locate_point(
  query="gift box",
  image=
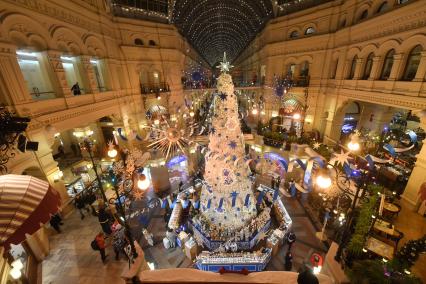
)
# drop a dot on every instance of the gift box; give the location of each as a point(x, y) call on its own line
point(182, 238)
point(191, 249)
point(166, 243)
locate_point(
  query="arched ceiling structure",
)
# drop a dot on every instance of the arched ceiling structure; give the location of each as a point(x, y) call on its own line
point(217, 26)
point(213, 26)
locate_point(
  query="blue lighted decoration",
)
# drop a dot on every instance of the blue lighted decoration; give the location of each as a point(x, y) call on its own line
point(120, 133)
point(185, 204)
point(197, 204)
point(260, 197)
point(276, 157)
point(176, 160)
point(196, 76)
point(275, 195)
point(220, 204)
point(164, 203)
point(370, 162)
point(390, 149)
point(293, 189)
point(347, 169)
point(413, 136)
point(247, 201)
point(234, 197)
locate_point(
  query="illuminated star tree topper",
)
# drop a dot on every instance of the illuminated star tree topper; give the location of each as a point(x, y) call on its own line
point(224, 66)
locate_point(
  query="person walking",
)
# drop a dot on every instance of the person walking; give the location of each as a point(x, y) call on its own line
point(149, 237)
point(278, 182)
point(100, 242)
point(55, 221)
point(61, 151)
point(79, 204)
point(291, 238)
point(75, 89)
point(118, 241)
point(74, 149)
point(104, 220)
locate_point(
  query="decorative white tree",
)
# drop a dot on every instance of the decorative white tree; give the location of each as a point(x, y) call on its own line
point(227, 203)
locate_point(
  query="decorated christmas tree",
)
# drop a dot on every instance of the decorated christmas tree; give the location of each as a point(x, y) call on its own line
point(227, 201)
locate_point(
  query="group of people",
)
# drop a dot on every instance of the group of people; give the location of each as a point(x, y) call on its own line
point(110, 229)
point(275, 182)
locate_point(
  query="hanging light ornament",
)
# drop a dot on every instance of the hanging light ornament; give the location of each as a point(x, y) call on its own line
point(281, 86)
point(170, 136)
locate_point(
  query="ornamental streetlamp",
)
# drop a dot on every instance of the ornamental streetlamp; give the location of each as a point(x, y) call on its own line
point(126, 180)
point(88, 146)
point(354, 145)
point(324, 180)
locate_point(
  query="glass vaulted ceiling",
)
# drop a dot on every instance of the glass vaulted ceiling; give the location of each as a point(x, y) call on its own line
point(216, 26)
point(213, 26)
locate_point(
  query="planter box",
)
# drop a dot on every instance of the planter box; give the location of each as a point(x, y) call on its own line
point(272, 143)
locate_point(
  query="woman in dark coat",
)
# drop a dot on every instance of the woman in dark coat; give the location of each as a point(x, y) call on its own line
point(104, 219)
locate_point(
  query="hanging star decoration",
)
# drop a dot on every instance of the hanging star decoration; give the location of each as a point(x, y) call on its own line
point(223, 96)
point(224, 66)
point(316, 145)
point(232, 144)
point(341, 158)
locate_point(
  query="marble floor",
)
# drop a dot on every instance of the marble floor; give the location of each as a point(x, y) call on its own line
point(72, 260)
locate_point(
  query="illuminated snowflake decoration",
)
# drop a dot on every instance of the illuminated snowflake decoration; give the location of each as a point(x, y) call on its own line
point(170, 137)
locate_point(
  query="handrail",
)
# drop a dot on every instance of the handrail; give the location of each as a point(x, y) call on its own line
point(154, 88)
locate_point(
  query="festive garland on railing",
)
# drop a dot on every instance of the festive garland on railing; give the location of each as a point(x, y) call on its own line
point(410, 252)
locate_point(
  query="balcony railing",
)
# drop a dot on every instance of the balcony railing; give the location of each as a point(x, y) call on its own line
point(155, 88)
point(190, 85)
point(301, 81)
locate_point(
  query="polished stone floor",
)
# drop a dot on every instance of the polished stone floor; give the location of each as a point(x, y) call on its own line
point(73, 261)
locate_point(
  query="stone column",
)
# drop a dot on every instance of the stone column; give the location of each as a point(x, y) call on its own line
point(418, 175)
point(358, 69)
point(12, 82)
point(397, 67)
point(49, 167)
point(88, 75)
point(57, 73)
point(333, 127)
point(421, 70)
point(375, 68)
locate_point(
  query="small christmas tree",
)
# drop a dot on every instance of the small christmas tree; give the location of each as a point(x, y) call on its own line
point(227, 203)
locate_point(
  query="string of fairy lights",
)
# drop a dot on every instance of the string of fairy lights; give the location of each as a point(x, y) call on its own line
point(213, 26)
